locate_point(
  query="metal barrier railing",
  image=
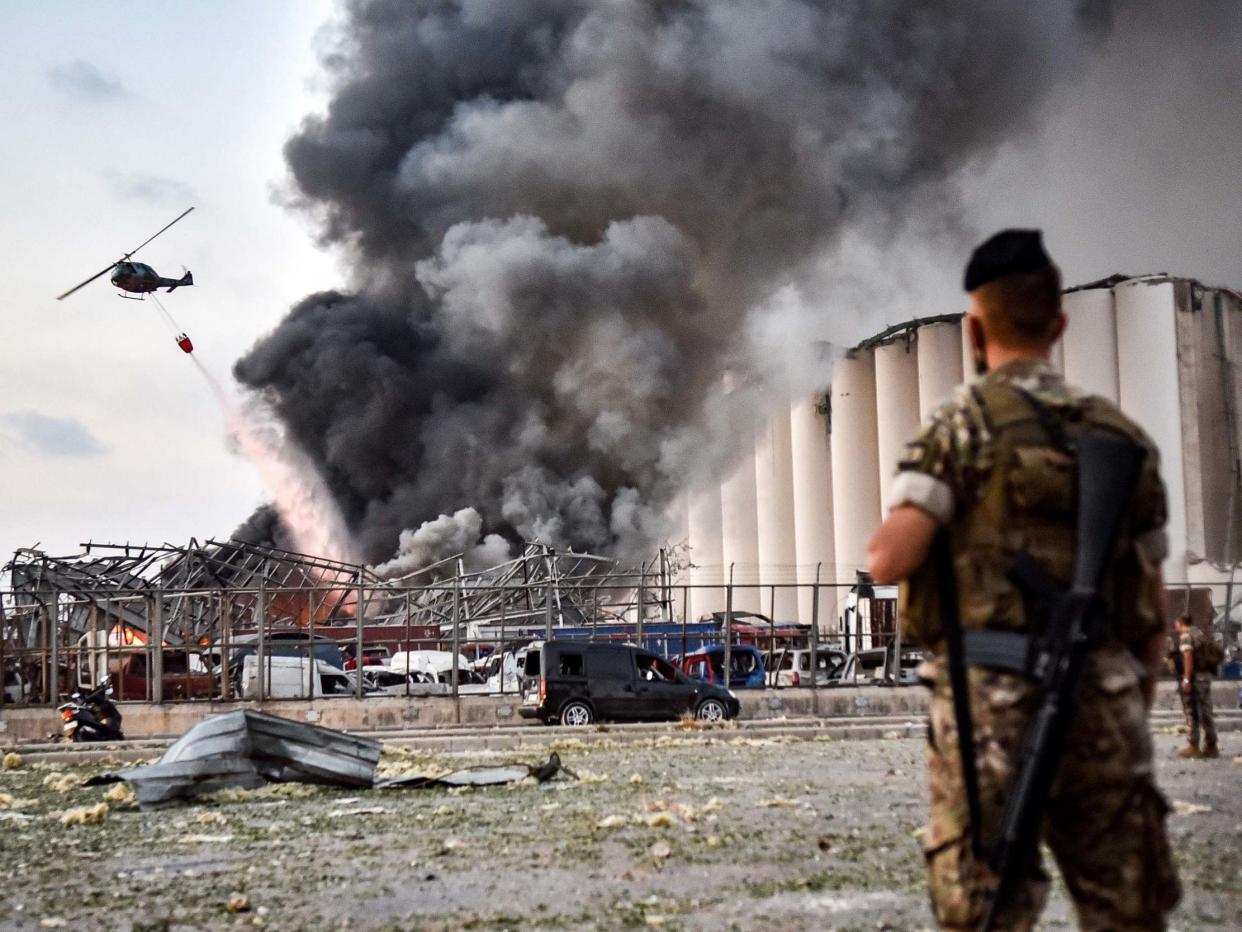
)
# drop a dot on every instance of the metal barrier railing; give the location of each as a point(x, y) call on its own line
point(276, 643)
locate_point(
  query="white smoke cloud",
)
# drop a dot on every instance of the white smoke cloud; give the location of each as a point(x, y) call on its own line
point(444, 537)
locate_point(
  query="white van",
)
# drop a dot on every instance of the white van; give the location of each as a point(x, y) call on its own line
point(287, 678)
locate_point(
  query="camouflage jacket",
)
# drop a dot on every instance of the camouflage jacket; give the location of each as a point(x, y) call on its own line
point(947, 469)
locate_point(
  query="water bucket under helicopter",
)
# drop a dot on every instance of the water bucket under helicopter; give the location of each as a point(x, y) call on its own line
point(184, 342)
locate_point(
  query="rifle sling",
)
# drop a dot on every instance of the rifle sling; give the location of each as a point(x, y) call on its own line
point(1000, 650)
point(942, 554)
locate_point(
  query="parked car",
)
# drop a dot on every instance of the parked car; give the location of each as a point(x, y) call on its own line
point(386, 680)
point(745, 666)
point(793, 667)
point(867, 667)
point(329, 660)
point(580, 682)
point(438, 665)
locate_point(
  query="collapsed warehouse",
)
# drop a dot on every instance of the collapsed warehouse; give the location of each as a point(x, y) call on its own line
point(99, 610)
point(229, 619)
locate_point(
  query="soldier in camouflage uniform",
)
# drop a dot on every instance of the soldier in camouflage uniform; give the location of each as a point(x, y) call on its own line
point(994, 468)
point(1195, 678)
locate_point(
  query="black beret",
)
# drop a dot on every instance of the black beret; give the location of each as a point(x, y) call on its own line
point(1007, 253)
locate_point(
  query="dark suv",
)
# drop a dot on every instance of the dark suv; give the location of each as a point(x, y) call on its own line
point(579, 682)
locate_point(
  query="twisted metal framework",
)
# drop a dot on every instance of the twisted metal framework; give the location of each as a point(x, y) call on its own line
point(195, 589)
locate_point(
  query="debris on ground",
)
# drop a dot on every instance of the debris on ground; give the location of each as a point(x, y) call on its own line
point(483, 776)
point(612, 821)
point(778, 802)
point(660, 850)
point(1185, 808)
point(84, 815)
point(12, 761)
point(238, 903)
point(9, 801)
point(204, 839)
point(245, 750)
point(120, 795)
point(61, 782)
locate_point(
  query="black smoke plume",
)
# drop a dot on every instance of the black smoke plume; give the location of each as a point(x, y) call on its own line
point(564, 221)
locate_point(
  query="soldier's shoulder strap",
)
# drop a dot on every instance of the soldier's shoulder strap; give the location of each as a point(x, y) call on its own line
point(1008, 407)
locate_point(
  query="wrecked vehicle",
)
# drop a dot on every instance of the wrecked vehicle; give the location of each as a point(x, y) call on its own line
point(793, 667)
point(438, 665)
point(122, 655)
point(390, 682)
point(875, 665)
point(746, 670)
point(580, 682)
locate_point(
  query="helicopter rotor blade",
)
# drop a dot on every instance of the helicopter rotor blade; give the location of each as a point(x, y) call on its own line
point(88, 281)
point(136, 248)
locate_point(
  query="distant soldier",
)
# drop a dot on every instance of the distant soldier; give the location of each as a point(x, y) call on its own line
point(1197, 659)
point(995, 470)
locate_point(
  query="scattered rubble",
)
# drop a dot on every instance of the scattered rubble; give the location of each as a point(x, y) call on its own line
point(84, 815)
point(245, 750)
point(61, 782)
point(12, 761)
point(121, 795)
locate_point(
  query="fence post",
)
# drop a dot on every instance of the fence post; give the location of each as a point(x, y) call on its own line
point(896, 649)
point(642, 599)
point(685, 613)
point(53, 634)
point(359, 621)
point(226, 628)
point(815, 643)
point(407, 641)
point(775, 678)
point(311, 666)
point(456, 645)
point(260, 645)
point(547, 613)
point(728, 651)
point(155, 624)
point(503, 641)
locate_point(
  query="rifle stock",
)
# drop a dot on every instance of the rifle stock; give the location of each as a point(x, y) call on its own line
point(1107, 471)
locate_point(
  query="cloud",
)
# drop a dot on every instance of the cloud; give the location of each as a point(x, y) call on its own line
point(155, 189)
point(50, 436)
point(83, 81)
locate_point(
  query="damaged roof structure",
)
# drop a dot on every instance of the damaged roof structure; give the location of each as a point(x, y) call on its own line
point(193, 593)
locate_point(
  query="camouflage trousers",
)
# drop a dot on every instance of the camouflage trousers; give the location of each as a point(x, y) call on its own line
point(1104, 821)
point(1197, 705)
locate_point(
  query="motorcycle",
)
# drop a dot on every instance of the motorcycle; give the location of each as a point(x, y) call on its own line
point(92, 717)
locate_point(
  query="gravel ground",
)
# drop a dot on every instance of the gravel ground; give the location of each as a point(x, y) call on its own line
point(686, 831)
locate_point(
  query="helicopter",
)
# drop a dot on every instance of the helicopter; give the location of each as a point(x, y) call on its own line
point(136, 277)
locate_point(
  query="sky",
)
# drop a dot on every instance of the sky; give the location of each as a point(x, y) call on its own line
point(117, 118)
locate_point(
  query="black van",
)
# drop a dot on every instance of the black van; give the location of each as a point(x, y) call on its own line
point(579, 682)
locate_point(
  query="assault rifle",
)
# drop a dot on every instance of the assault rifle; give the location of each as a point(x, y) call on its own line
point(1108, 467)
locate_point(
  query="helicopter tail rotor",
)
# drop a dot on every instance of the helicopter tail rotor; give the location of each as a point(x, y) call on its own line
point(186, 279)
